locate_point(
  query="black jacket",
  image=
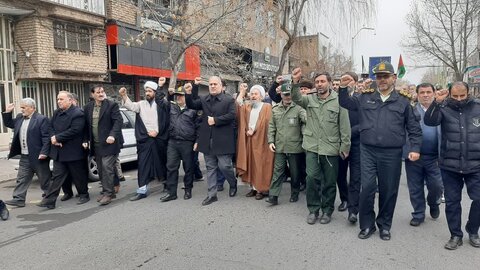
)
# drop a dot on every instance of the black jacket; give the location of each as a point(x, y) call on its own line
point(384, 124)
point(218, 139)
point(67, 126)
point(183, 123)
point(109, 124)
point(460, 147)
point(38, 135)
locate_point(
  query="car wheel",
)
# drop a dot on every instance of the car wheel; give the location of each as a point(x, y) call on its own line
point(92, 170)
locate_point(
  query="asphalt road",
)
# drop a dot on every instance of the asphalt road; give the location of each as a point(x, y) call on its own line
point(233, 233)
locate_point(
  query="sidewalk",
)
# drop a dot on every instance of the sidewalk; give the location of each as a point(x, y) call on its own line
point(7, 167)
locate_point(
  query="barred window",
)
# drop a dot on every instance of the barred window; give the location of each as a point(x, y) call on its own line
point(72, 37)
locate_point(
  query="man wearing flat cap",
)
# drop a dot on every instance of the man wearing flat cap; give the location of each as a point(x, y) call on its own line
point(151, 132)
point(386, 117)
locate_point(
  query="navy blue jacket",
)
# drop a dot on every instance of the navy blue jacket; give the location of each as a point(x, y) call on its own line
point(384, 124)
point(460, 148)
point(67, 126)
point(183, 123)
point(38, 135)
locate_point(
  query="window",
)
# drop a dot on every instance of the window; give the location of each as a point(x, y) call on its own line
point(72, 37)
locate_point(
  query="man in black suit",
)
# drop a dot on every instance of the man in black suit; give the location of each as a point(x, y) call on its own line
point(104, 133)
point(31, 141)
point(66, 150)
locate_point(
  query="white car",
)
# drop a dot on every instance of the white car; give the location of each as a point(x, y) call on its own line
point(129, 151)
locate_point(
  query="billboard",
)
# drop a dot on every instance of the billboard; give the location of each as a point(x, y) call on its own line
point(376, 60)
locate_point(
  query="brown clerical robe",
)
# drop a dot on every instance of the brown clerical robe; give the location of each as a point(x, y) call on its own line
point(254, 158)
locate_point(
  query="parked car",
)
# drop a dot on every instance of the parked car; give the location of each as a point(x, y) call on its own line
point(129, 151)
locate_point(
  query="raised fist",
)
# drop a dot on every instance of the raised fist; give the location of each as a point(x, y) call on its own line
point(347, 81)
point(10, 107)
point(440, 95)
point(161, 81)
point(243, 88)
point(197, 80)
point(296, 75)
point(188, 88)
point(122, 91)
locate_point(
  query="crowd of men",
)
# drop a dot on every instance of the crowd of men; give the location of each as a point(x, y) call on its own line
point(313, 135)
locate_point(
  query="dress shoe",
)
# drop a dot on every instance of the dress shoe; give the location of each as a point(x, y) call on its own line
point(415, 222)
point(352, 218)
point(260, 196)
point(105, 200)
point(137, 197)
point(385, 235)
point(454, 243)
point(342, 207)
point(233, 191)
point(294, 198)
point(273, 200)
point(4, 211)
point(99, 198)
point(121, 179)
point(209, 200)
point(83, 200)
point(312, 218)
point(116, 189)
point(220, 188)
point(366, 233)
point(16, 203)
point(325, 219)
point(474, 240)
point(168, 197)
point(434, 211)
point(251, 193)
point(47, 205)
point(302, 187)
point(187, 195)
point(66, 197)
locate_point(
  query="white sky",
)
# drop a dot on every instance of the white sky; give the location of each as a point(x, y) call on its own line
point(390, 28)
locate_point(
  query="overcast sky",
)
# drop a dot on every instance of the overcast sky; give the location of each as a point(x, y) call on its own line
point(390, 28)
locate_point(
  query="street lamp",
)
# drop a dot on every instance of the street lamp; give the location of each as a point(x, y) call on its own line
point(353, 39)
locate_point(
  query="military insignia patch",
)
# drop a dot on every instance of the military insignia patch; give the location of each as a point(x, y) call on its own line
point(476, 121)
point(370, 90)
point(405, 94)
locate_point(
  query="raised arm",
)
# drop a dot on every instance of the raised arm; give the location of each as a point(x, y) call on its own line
point(296, 95)
point(127, 103)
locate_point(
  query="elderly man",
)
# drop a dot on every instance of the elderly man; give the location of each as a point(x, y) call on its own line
point(326, 138)
point(254, 159)
point(31, 140)
point(66, 150)
point(459, 116)
point(216, 139)
point(151, 131)
point(104, 129)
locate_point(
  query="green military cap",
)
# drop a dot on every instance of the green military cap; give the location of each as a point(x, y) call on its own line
point(179, 91)
point(383, 67)
point(286, 89)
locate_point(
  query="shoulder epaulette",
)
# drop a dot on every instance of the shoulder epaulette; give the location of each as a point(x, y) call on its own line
point(366, 91)
point(405, 94)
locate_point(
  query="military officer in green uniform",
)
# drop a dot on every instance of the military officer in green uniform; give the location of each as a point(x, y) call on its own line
point(325, 138)
point(285, 140)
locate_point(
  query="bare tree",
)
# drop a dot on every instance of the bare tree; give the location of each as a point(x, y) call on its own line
point(445, 31)
point(296, 14)
point(194, 22)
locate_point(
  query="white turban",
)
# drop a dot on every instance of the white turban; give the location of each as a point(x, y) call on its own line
point(150, 84)
point(260, 89)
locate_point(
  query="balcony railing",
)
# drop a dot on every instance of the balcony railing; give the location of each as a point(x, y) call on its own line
point(94, 6)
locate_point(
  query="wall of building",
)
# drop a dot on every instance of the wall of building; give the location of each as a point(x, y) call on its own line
point(122, 10)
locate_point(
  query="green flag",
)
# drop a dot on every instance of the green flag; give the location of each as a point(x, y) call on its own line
point(401, 68)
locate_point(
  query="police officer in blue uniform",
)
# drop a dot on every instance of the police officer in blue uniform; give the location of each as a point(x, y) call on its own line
point(385, 117)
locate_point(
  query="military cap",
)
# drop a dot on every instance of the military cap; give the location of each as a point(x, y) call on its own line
point(179, 91)
point(383, 68)
point(286, 89)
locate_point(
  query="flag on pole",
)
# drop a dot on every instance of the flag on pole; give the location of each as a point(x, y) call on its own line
point(401, 68)
point(363, 65)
